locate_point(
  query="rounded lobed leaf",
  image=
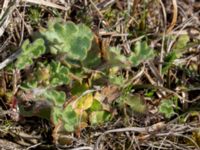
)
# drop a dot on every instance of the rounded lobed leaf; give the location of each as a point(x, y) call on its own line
point(23, 62)
point(58, 74)
point(56, 115)
point(75, 40)
point(57, 97)
point(115, 57)
point(166, 107)
point(79, 48)
point(70, 118)
point(29, 52)
point(142, 52)
point(70, 28)
point(84, 31)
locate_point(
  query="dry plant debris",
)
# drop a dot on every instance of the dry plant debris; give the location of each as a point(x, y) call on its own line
point(100, 74)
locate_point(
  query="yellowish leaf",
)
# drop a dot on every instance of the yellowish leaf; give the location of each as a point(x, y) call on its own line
point(84, 102)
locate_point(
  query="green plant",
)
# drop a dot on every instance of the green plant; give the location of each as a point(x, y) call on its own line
point(115, 58)
point(59, 74)
point(168, 107)
point(29, 52)
point(75, 40)
point(50, 74)
point(69, 39)
point(98, 117)
point(71, 61)
point(134, 102)
point(150, 93)
point(70, 118)
point(177, 51)
point(58, 98)
point(181, 45)
point(34, 15)
point(168, 61)
point(142, 52)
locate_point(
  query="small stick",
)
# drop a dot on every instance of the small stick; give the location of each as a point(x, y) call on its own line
point(148, 129)
point(10, 59)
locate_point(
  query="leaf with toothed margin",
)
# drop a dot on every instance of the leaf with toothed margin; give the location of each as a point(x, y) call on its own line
point(142, 52)
point(57, 97)
point(58, 73)
point(75, 40)
point(70, 118)
point(29, 52)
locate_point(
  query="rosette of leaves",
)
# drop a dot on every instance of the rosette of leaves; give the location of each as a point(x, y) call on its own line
point(29, 52)
point(142, 52)
point(75, 40)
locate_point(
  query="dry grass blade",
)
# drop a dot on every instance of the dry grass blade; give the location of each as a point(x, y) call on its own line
point(46, 3)
point(105, 4)
point(5, 13)
point(155, 72)
point(175, 15)
point(163, 36)
point(83, 148)
point(5, 5)
point(96, 8)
